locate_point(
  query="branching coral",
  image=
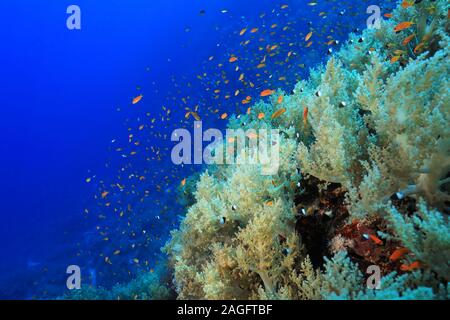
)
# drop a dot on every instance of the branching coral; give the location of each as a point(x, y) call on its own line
point(343, 281)
point(427, 235)
point(228, 205)
point(337, 127)
point(260, 249)
point(411, 154)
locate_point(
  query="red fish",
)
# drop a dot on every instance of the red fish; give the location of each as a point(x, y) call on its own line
point(376, 239)
point(411, 267)
point(398, 253)
point(305, 115)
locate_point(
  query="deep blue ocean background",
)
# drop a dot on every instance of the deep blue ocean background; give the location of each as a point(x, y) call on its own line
point(66, 109)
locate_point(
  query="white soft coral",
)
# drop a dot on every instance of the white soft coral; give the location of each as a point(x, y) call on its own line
point(432, 177)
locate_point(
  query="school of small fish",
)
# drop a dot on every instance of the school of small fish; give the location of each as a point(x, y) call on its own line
point(273, 49)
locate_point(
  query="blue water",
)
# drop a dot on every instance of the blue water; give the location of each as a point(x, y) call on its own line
point(66, 95)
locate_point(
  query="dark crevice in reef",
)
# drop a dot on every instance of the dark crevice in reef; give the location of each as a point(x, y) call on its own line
point(312, 232)
point(407, 205)
point(322, 215)
point(318, 213)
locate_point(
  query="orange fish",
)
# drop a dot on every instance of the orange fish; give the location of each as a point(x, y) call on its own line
point(104, 194)
point(137, 99)
point(224, 116)
point(183, 182)
point(394, 59)
point(408, 39)
point(243, 31)
point(280, 99)
point(403, 25)
point(406, 4)
point(376, 239)
point(278, 113)
point(266, 93)
point(388, 15)
point(419, 47)
point(305, 115)
point(308, 36)
point(261, 65)
point(398, 253)
point(233, 59)
point(411, 267)
point(309, 44)
point(261, 115)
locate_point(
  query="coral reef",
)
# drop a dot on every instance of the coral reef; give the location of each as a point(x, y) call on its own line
point(363, 180)
point(146, 286)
